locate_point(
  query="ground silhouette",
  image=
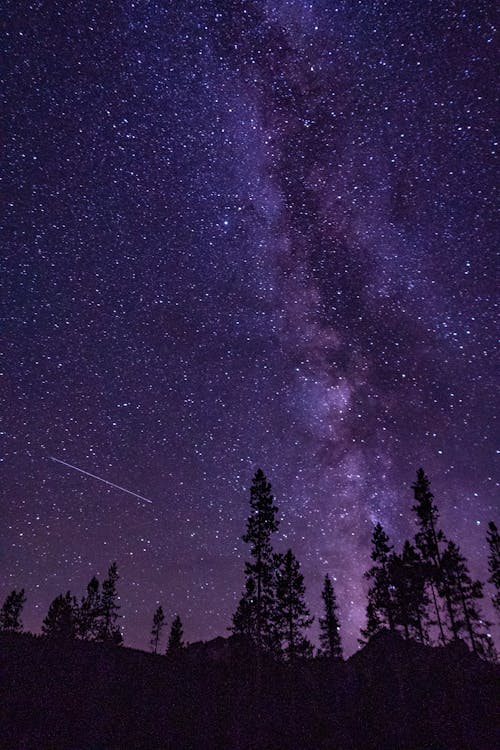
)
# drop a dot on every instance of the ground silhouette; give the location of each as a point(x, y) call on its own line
point(394, 694)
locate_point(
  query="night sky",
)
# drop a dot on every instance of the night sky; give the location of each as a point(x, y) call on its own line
point(242, 234)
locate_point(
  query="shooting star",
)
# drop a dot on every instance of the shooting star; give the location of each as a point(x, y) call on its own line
point(111, 484)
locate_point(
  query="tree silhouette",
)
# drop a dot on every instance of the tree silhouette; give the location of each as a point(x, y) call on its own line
point(156, 630)
point(10, 614)
point(89, 613)
point(258, 597)
point(175, 643)
point(62, 618)
point(381, 606)
point(329, 625)
point(291, 613)
point(109, 609)
point(493, 539)
point(464, 594)
point(428, 540)
point(408, 577)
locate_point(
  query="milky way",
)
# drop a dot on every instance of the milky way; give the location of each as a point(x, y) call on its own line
point(242, 234)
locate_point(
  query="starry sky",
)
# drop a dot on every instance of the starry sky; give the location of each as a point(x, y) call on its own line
point(240, 234)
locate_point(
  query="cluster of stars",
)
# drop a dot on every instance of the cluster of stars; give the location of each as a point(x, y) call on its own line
point(239, 235)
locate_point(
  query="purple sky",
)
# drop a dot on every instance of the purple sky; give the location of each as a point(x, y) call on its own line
point(242, 234)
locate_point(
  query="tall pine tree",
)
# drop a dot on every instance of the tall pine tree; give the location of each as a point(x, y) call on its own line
point(428, 541)
point(254, 616)
point(175, 643)
point(329, 625)
point(493, 540)
point(109, 609)
point(10, 614)
point(89, 613)
point(156, 630)
point(381, 606)
point(291, 612)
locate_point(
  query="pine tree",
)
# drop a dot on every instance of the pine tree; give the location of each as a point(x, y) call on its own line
point(428, 540)
point(329, 637)
point(464, 594)
point(255, 609)
point(381, 606)
point(175, 643)
point(493, 539)
point(408, 576)
point(156, 630)
point(291, 613)
point(10, 614)
point(62, 618)
point(109, 610)
point(89, 613)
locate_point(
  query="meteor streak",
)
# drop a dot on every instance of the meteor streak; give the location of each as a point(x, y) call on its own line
point(111, 484)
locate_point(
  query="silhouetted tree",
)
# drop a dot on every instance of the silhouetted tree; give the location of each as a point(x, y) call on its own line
point(381, 606)
point(428, 540)
point(156, 630)
point(329, 625)
point(291, 612)
point(109, 609)
point(62, 618)
point(175, 643)
point(89, 613)
point(493, 539)
point(407, 575)
point(10, 614)
point(259, 595)
point(464, 594)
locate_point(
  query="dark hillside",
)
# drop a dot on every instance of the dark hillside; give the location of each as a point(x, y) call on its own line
point(392, 695)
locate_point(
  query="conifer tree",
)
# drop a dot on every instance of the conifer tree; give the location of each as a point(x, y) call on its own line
point(89, 613)
point(10, 614)
point(291, 613)
point(329, 637)
point(381, 606)
point(156, 630)
point(255, 609)
point(464, 595)
point(109, 609)
point(175, 643)
point(493, 539)
point(428, 541)
point(62, 618)
point(408, 577)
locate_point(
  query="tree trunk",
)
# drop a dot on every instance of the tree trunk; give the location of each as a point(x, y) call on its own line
point(446, 592)
point(440, 624)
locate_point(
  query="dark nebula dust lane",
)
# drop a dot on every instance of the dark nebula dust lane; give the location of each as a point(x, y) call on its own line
point(242, 234)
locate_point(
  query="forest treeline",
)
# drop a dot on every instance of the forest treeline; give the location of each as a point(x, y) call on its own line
point(424, 592)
